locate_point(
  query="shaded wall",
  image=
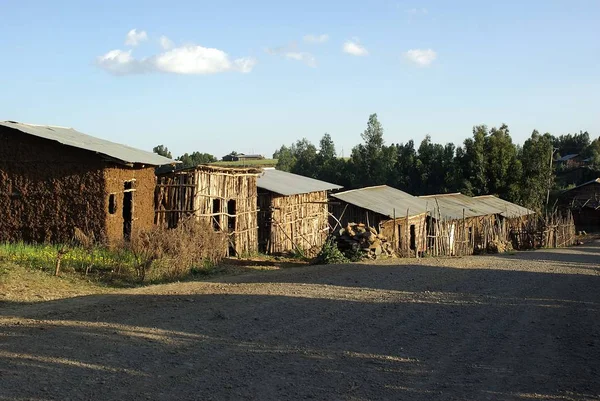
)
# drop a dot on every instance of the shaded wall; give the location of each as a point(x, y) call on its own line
point(584, 203)
point(48, 189)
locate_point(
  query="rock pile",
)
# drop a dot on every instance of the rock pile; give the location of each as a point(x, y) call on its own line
point(357, 238)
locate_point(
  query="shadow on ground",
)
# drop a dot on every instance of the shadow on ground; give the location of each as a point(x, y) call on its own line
point(354, 332)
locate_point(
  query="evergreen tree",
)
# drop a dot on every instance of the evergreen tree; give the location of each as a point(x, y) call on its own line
point(162, 150)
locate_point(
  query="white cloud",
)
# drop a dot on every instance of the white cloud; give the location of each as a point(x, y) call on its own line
point(306, 58)
point(354, 48)
point(199, 60)
point(316, 38)
point(421, 57)
point(186, 60)
point(290, 52)
point(134, 37)
point(119, 62)
point(416, 11)
point(165, 43)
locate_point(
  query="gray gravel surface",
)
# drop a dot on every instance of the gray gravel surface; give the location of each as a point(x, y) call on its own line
point(513, 327)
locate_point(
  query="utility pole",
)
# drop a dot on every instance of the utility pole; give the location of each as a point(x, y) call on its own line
point(550, 178)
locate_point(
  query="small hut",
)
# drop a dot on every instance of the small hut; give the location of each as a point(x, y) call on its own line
point(293, 212)
point(399, 216)
point(55, 179)
point(584, 203)
point(462, 225)
point(226, 198)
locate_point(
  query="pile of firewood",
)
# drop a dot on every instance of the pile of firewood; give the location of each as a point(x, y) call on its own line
point(358, 238)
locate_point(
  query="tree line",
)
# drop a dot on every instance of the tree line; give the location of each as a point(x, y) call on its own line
point(187, 160)
point(488, 162)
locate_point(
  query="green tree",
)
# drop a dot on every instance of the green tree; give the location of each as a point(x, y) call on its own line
point(162, 150)
point(372, 161)
point(306, 158)
point(195, 159)
point(285, 158)
point(571, 143)
point(537, 178)
point(472, 164)
point(405, 175)
point(329, 167)
point(502, 166)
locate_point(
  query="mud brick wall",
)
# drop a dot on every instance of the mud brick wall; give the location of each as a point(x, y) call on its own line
point(47, 189)
point(144, 183)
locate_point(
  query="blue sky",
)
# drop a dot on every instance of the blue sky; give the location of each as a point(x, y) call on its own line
point(250, 76)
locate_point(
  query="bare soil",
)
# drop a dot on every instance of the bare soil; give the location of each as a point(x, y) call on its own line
point(512, 327)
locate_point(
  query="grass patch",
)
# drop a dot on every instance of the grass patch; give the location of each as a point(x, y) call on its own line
point(20, 284)
point(42, 257)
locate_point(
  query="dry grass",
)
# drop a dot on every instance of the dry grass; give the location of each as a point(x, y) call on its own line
point(163, 254)
point(21, 284)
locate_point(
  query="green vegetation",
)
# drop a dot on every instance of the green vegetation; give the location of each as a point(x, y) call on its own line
point(43, 257)
point(488, 162)
point(330, 254)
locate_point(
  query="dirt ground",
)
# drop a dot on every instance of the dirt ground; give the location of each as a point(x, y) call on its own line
point(512, 327)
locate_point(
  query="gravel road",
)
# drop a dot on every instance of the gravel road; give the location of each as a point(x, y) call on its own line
point(513, 327)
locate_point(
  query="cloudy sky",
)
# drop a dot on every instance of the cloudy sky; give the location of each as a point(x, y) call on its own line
point(252, 75)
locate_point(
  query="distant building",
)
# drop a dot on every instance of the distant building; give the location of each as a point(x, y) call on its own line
point(571, 161)
point(584, 202)
point(241, 157)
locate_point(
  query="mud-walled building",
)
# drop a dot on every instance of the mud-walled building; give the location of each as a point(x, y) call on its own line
point(56, 179)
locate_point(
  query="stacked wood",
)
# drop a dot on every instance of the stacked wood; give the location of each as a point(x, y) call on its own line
point(364, 239)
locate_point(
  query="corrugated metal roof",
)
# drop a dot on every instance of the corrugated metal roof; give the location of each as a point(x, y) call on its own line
point(385, 200)
point(284, 183)
point(71, 137)
point(508, 209)
point(596, 181)
point(567, 157)
point(451, 206)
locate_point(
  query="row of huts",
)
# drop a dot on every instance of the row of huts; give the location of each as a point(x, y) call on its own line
point(53, 179)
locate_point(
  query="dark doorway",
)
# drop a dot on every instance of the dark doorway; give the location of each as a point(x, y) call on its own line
point(216, 218)
point(231, 206)
point(127, 209)
point(413, 239)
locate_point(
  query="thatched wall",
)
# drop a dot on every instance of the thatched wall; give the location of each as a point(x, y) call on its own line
point(461, 237)
point(293, 223)
point(407, 238)
point(226, 198)
point(48, 189)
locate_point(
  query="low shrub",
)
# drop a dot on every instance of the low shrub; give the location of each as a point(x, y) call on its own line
point(168, 254)
point(330, 253)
